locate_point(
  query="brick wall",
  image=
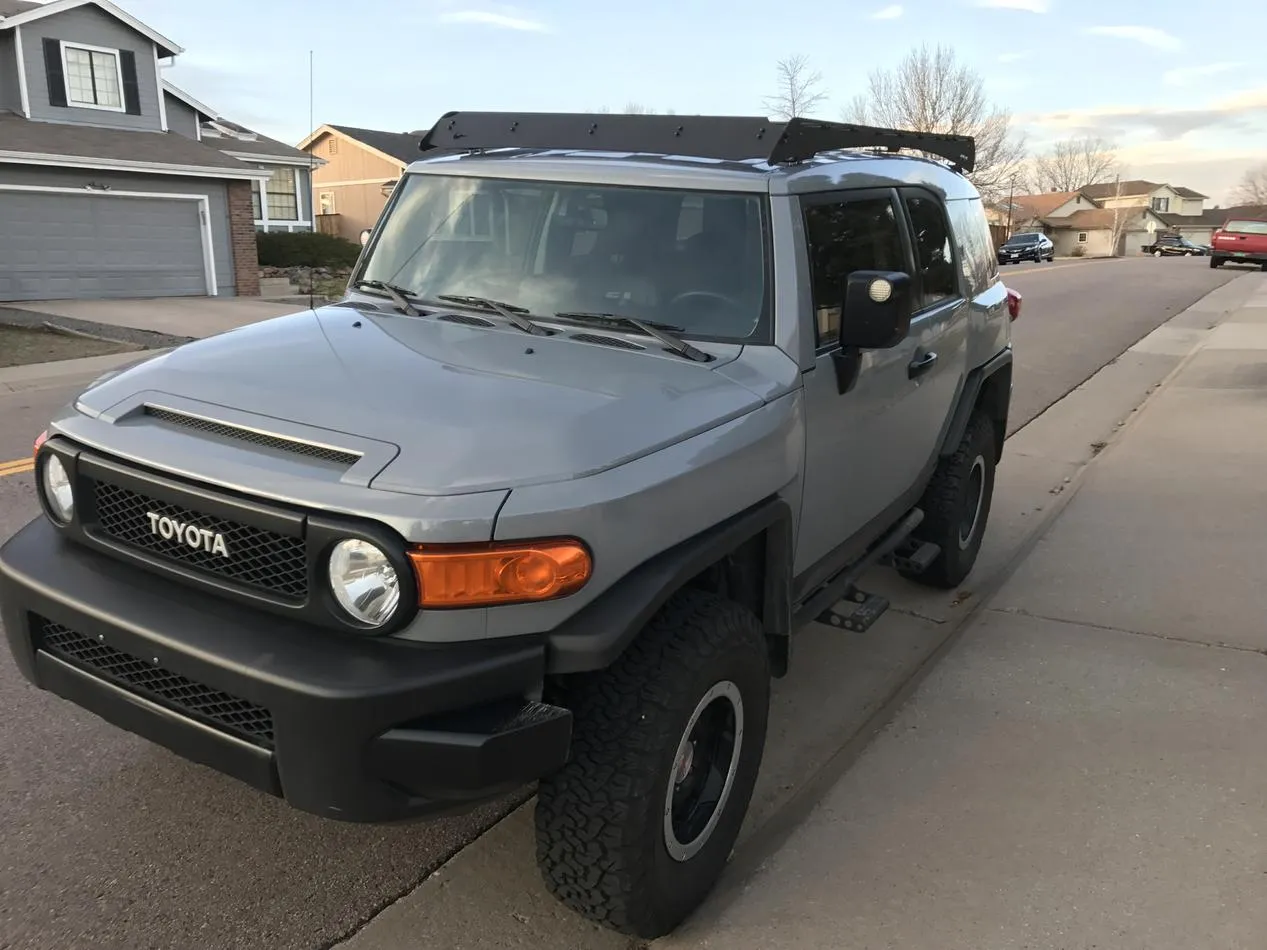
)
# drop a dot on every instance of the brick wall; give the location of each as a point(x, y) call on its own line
point(246, 261)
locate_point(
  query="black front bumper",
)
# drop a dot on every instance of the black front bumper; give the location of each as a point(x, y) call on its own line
point(343, 726)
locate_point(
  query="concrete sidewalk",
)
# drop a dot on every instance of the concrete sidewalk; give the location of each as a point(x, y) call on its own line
point(1085, 768)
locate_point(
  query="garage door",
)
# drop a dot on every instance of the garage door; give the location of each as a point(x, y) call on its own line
point(59, 246)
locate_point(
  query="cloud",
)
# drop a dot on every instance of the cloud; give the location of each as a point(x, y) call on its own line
point(1236, 113)
point(1148, 35)
point(499, 20)
point(1186, 74)
point(891, 12)
point(1029, 6)
point(1015, 57)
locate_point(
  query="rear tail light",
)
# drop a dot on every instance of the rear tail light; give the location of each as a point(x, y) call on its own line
point(1013, 303)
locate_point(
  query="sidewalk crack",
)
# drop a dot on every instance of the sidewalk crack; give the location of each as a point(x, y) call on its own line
point(1191, 641)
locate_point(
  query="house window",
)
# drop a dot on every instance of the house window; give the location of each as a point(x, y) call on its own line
point(1082, 237)
point(94, 78)
point(327, 202)
point(276, 202)
point(1161, 204)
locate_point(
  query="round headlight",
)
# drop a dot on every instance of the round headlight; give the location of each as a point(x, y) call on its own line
point(364, 581)
point(57, 489)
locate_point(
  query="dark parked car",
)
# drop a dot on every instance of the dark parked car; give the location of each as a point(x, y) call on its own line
point(1030, 246)
point(1174, 245)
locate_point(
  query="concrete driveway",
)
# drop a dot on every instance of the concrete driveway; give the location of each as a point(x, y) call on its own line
point(177, 316)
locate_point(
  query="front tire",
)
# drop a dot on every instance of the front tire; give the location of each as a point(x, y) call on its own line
point(956, 506)
point(634, 831)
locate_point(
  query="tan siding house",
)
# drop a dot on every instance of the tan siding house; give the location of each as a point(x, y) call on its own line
point(361, 168)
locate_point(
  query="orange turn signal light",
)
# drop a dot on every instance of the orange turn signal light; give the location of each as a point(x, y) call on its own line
point(40, 440)
point(487, 575)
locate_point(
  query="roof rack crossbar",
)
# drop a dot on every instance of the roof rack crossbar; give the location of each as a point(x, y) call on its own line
point(725, 138)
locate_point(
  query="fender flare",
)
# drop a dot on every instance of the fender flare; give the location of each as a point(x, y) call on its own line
point(596, 635)
point(999, 363)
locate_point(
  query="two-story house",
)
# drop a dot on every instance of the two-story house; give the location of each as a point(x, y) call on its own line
point(115, 183)
point(359, 169)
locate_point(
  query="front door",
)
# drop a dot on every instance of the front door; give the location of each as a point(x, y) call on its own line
point(868, 450)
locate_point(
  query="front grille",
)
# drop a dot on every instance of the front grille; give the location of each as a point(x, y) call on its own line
point(179, 693)
point(293, 446)
point(259, 559)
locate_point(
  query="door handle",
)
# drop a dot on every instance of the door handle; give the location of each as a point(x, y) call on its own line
point(919, 367)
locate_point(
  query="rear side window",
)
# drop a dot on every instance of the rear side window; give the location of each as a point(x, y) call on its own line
point(843, 237)
point(977, 259)
point(934, 255)
point(1246, 227)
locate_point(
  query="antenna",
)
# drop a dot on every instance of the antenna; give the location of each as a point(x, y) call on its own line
point(312, 211)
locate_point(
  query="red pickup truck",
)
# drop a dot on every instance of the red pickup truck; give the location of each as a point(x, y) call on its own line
point(1240, 240)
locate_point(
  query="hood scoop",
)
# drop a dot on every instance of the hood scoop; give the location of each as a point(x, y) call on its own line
point(313, 450)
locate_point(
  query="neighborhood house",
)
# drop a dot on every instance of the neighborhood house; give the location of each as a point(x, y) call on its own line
point(114, 182)
point(359, 169)
point(1118, 217)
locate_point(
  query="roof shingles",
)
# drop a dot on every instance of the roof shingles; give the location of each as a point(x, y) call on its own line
point(399, 145)
point(103, 146)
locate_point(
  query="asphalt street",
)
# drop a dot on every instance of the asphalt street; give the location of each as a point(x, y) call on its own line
point(108, 841)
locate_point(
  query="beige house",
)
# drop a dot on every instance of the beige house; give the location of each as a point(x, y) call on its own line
point(1162, 198)
point(361, 168)
point(1029, 211)
point(1118, 217)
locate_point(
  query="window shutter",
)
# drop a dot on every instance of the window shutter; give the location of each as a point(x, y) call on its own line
point(131, 91)
point(53, 70)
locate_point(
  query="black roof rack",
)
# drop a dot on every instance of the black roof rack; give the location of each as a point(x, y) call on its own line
point(734, 138)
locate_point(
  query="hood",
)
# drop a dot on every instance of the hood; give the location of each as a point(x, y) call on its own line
point(468, 408)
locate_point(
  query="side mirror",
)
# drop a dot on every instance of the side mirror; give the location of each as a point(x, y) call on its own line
point(877, 310)
point(365, 237)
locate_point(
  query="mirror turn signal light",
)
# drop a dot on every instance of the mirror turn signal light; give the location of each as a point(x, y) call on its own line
point(39, 442)
point(488, 575)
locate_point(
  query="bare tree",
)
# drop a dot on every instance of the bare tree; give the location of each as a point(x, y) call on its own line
point(1253, 187)
point(930, 92)
point(634, 108)
point(1074, 163)
point(798, 89)
point(1122, 218)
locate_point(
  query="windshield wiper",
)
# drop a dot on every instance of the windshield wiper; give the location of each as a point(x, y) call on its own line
point(400, 296)
point(660, 331)
point(511, 312)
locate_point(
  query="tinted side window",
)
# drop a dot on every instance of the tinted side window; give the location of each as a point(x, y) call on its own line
point(843, 237)
point(933, 253)
point(977, 258)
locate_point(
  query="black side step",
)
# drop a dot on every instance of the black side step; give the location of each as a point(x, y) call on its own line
point(913, 557)
point(867, 609)
point(845, 584)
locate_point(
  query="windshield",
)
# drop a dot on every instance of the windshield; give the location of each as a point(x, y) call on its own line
point(692, 260)
point(1246, 227)
point(1022, 239)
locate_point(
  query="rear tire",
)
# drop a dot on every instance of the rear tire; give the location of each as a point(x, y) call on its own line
point(618, 838)
point(956, 506)
point(1216, 262)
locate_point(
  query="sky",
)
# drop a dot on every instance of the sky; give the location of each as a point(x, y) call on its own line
point(1179, 86)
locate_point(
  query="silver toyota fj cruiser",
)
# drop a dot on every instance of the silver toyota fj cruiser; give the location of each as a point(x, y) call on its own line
point(613, 406)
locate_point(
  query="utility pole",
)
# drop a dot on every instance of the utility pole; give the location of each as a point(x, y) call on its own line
point(1117, 213)
point(1011, 191)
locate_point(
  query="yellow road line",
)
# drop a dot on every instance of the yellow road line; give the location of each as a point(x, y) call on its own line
point(16, 467)
point(1046, 270)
